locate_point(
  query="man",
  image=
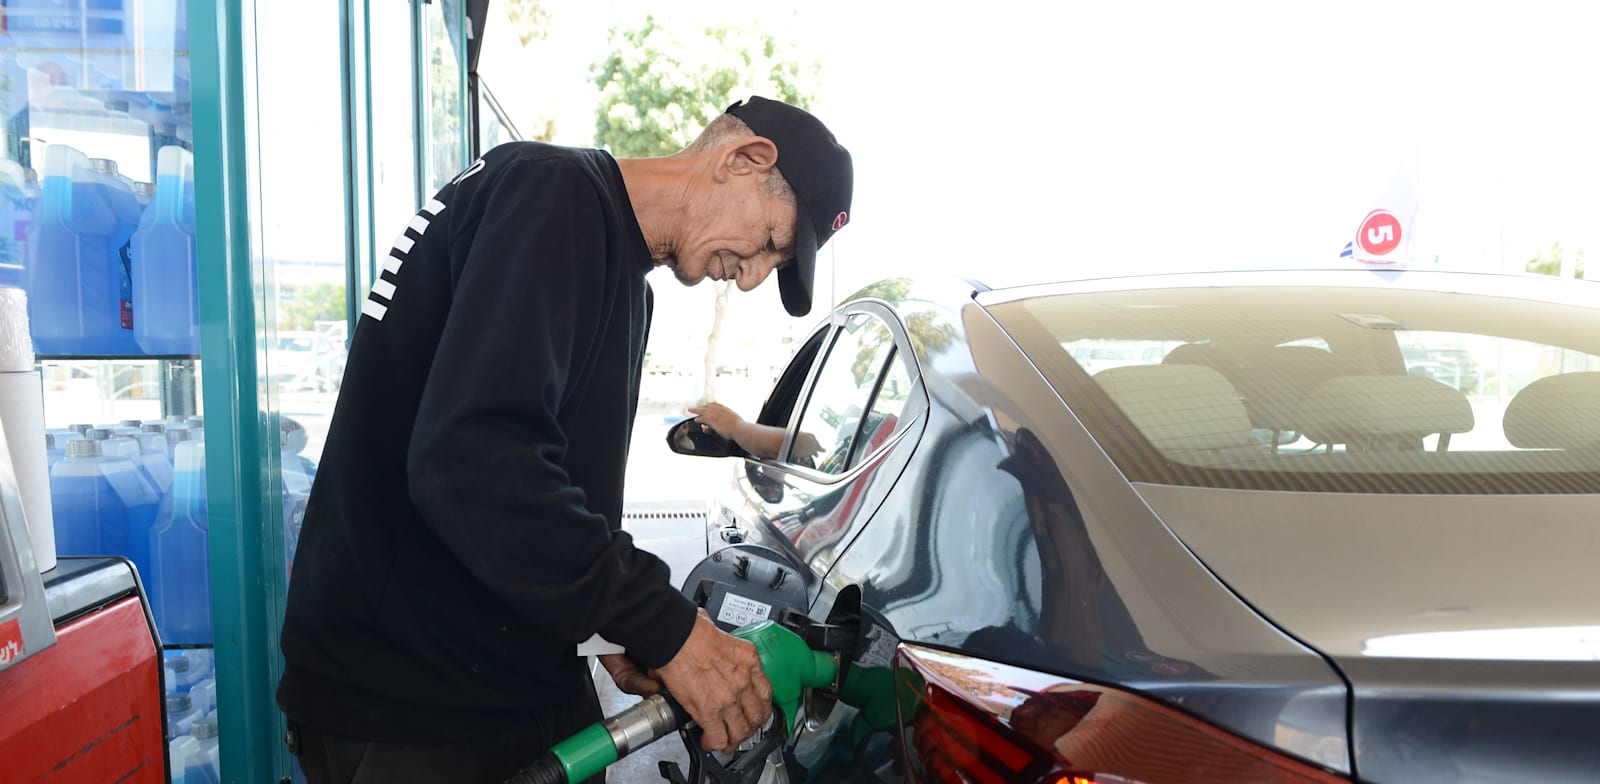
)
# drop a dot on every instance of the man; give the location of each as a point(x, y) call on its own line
point(463, 535)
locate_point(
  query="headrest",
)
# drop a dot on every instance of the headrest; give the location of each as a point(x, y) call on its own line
point(1347, 407)
point(1555, 412)
point(1275, 381)
point(1202, 354)
point(1178, 407)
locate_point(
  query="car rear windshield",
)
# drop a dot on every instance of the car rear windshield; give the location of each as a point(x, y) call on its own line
point(1332, 389)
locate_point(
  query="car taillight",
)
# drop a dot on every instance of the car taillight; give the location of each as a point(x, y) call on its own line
point(971, 721)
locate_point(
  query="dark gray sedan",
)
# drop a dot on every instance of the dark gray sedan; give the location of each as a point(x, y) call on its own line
point(1253, 549)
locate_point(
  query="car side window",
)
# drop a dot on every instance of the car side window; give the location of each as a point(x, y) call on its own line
point(890, 410)
point(786, 392)
point(833, 414)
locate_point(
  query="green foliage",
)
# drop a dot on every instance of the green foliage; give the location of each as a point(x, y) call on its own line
point(888, 290)
point(317, 302)
point(1549, 261)
point(927, 332)
point(529, 18)
point(659, 86)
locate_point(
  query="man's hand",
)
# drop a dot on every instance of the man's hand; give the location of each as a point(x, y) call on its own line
point(717, 678)
point(805, 447)
point(629, 677)
point(718, 417)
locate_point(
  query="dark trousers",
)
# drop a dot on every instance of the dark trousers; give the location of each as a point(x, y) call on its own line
point(488, 759)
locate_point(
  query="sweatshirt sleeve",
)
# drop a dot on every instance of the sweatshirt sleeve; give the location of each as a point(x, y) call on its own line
point(485, 459)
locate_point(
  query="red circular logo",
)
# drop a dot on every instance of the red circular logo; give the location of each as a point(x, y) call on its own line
point(839, 221)
point(1380, 233)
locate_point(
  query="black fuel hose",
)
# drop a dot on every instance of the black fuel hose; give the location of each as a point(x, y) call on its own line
point(546, 770)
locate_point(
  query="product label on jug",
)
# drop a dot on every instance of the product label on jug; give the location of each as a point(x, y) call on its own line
point(126, 286)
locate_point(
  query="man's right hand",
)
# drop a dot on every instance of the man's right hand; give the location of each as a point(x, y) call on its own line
point(721, 419)
point(717, 679)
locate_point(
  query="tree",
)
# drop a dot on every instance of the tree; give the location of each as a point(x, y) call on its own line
point(317, 302)
point(1550, 261)
point(529, 18)
point(660, 85)
point(927, 330)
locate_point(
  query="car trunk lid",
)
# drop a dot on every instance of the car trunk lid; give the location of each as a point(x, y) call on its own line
point(1468, 626)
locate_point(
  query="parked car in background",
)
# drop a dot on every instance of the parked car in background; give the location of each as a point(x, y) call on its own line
point(303, 359)
point(1453, 366)
point(1271, 554)
point(1096, 355)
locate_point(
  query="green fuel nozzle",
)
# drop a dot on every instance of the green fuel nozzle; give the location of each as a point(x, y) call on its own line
point(789, 664)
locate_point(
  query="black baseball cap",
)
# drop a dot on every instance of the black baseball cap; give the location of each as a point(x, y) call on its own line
point(819, 171)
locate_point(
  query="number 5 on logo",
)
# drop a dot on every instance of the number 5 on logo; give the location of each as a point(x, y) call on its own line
point(1379, 234)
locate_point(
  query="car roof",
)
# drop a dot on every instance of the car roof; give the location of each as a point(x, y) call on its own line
point(1542, 287)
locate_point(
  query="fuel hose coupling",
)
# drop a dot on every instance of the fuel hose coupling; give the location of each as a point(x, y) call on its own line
point(632, 729)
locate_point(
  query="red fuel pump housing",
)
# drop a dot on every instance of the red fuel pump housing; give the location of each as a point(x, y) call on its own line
point(89, 708)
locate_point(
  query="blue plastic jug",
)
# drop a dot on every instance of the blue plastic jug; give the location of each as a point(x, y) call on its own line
point(181, 714)
point(79, 290)
point(178, 751)
point(99, 501)
point(55, 445)
point(78, 491)
point(185, 671)
point(203, 764)
point(165, 275)
point(180, 594)
point(157, 463)
point(176, 434)
point(201, 768)
point(127, 533)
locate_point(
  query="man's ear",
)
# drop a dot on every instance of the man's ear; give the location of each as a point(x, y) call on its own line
point(748, 155)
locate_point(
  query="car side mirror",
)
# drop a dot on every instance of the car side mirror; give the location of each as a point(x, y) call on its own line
point(693, 437)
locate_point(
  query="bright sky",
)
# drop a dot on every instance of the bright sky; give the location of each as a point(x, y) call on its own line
point(1072, 139)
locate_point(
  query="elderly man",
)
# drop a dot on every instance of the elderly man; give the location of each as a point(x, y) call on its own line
point(463, 535)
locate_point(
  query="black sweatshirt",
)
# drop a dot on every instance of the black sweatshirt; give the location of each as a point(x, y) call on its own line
point(463, 531)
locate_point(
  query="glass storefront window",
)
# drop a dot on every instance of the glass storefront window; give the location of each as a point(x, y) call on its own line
point(494, 128)
point(446, 150)
point(302, 244)
point(393, 122)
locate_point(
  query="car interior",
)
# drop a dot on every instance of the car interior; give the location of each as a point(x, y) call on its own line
point(1248, 382)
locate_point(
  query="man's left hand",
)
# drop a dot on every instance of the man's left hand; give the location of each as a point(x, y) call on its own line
point(629, 677)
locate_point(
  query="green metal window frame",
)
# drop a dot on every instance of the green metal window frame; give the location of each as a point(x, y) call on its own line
point(247, 578)
point(361, 258)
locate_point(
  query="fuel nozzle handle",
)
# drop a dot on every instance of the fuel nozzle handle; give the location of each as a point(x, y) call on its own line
point(789, 665)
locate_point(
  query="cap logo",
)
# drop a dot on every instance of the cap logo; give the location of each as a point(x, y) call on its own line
point(839, 221)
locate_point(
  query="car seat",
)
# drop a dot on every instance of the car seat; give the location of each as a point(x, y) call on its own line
point(1274, 382)
point(1555, 412)
point(1189, 412)
point(1383, 412)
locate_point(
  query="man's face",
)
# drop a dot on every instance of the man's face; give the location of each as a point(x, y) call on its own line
point(740, 234)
